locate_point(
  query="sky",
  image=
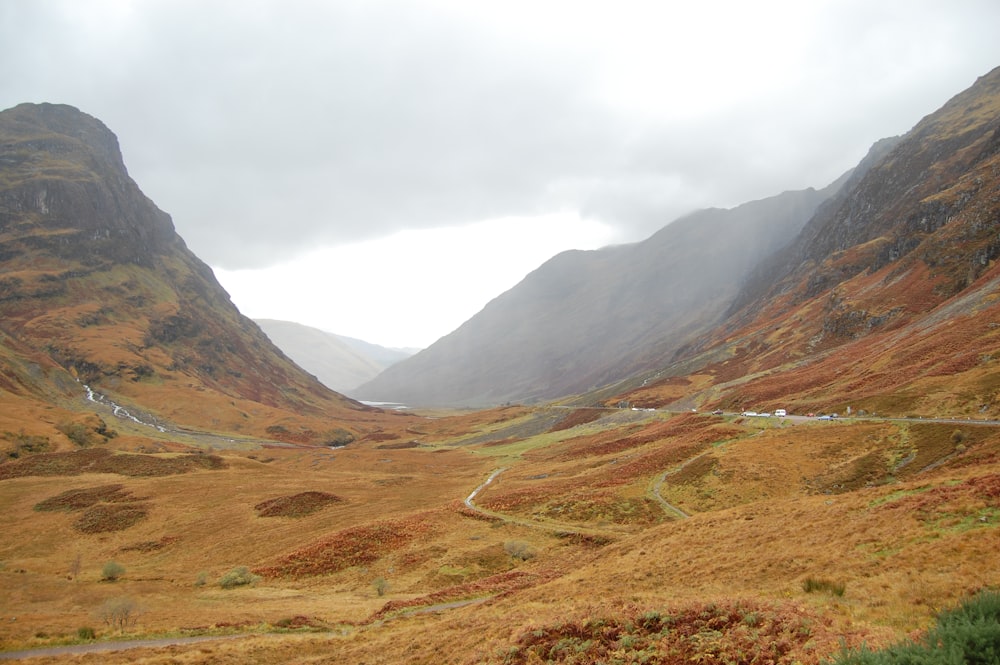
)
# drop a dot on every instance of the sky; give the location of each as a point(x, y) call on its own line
point(382, 169)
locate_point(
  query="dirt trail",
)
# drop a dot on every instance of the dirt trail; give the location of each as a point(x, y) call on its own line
point(655, 490)
point(100, 647)
point(546, 526)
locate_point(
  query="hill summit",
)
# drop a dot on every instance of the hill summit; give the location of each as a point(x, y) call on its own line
point(97, 288)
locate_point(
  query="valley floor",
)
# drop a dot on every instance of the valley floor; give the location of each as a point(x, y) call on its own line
point(510, 536)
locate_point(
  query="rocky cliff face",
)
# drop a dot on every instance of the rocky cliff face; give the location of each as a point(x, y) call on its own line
point(94, 279)
point(63, 173)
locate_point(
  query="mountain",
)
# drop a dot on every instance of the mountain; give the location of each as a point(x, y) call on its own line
point(98, 290)
point(519, 534)
point(340, 363)
point(587, 318)
point(886, 301)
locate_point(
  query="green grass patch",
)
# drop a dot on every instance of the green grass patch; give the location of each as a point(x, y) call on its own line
point(986, 517)
point(897, 495)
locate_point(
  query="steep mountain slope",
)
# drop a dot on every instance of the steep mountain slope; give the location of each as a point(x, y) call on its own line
point(340, 363)
point(96, 288)
point(549, 534)
point(584, 319)
point(887, 301)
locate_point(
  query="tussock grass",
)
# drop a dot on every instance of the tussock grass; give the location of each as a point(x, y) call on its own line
point(822, 585)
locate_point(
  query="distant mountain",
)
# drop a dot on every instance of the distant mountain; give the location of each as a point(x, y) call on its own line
point(97, 288)
point(340, 363)
point(886, 302)
point(587, 318)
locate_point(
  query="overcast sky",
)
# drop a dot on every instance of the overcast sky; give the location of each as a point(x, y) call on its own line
point(383, 169)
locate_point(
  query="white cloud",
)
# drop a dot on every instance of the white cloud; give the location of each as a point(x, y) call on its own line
point(410, 288)
point(270, 129)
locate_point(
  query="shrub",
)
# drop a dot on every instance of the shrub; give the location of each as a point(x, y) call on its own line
point(381, 585)
point(239, 576)
point(86, 633)
point(75, 432)
point(339, 437)
point(112, 571)
point(519, 549)
point(25, 444)
point(969, 633)
point(202, 579)
point(120, 613)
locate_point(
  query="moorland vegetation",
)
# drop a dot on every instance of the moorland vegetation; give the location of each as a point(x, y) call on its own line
point(168, 473)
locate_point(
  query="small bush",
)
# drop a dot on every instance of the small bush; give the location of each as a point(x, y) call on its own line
point(120, 613)
point(25, 444)
point(967, 634)
point(813, 585)
point(86, 633)
point(518, 549)
point(239, 576)
point(381, 585)
point(202, 579)
point(78, 433)
point(339, 437)
point(112, 571)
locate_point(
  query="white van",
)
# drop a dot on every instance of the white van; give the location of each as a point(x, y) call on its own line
point(780, 413)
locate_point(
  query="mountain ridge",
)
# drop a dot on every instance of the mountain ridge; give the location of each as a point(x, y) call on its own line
point(97, 286)
point(584, 319)
point(340, 363)
point(864, 324)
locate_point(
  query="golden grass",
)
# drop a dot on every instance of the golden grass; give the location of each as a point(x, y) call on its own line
point(770, 509)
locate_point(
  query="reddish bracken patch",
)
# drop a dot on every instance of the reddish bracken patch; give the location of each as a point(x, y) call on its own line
point(111, 517)
point(107, 508)
point(501, 584)
point(357, 546)
point(101, 460)
point(736, 632)
point(578, 417)
point(78, 499)
point(296, 505)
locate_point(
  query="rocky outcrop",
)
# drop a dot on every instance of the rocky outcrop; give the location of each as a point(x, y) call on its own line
point(63, 173)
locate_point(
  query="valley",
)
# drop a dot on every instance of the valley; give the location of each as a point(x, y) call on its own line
point(168, 473)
